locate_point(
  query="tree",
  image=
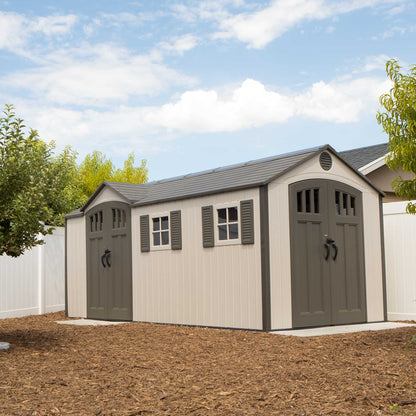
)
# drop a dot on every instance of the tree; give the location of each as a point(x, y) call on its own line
point(96, 168)
point(399, 122)
point(62, 195)
point(23, 185)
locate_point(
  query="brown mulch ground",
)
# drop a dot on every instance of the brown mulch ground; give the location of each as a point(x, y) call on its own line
point(149, 369)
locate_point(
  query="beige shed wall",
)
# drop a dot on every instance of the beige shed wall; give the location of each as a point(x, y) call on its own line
point(383, 178)
point(280, 269)
point(76, 267)
point(219, 286)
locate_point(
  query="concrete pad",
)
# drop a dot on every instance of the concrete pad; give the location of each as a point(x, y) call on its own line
point(92, 322)
point(342, 329)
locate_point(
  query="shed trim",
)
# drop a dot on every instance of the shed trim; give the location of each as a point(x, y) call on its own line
point(98, 190)
point(66, 267)
point(383, 259)
point(265, 257)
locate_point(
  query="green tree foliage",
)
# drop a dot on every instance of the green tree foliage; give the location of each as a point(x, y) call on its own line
point(37, 188)
point(62, 195)
point(96, 168)
point(24, 171)
point(399, 122)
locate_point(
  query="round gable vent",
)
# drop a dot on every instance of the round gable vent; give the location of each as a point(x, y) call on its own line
point(325, 160)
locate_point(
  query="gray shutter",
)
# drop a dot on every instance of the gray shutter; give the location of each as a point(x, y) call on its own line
point(208, 226)
point(175, 230)
point(247, 222)
point(144, 233)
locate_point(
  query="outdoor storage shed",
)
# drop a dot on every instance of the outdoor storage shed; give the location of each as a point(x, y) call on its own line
point(285, 242)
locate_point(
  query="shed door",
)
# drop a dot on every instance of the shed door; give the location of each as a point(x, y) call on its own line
point(327, 254)
point(109, 275)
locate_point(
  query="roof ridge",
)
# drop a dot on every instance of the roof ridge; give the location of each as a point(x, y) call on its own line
point(238, 165)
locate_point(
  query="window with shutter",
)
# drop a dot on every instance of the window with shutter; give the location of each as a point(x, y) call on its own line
point(247, 222)
point(144, 234)
point(207, 226)
point(176, 230)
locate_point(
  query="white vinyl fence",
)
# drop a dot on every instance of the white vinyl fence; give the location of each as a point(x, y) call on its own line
point(34, 283)
point(400, 250)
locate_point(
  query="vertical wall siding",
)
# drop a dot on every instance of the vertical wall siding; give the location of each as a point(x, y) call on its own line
point(219, 286)
point(280, 270)
point(76, 267)
point(33, 283)
point(400, 243)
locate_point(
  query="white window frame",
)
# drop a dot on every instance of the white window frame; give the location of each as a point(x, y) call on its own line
point(228, 242)
point(161, 247)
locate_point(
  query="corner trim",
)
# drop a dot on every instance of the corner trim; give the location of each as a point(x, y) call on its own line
point(265, 257)
point(383, 258)
point(66, 268)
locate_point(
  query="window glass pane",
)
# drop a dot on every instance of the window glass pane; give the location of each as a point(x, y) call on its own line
point(299, 201)
point(233, 229)
point(165, 237)
point(165, 223)
point(337, 204)
point(91, 223)
point(352, 205)
point(118, 218)
point(222, 215)
point(156, 239)
point(308, 200)
point(156, 224)
point(344, 204)
point(232, 214)
point(114, 217)
point(101, 220)
point(123, 218)
point(316, 200)
point(222, 232)
point(96, 222)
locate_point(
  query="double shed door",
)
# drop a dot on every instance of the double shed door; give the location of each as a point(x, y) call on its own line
point(109, 262)
point(327, 254)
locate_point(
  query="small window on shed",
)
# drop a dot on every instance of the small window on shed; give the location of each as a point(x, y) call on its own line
point(119, 218)
point(96, 222)
point(160, 231)
point(227, 224)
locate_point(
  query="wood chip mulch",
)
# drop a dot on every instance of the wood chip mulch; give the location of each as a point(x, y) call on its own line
point(148, 369)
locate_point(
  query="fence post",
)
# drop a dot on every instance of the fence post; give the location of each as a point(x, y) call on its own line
point(41, 278)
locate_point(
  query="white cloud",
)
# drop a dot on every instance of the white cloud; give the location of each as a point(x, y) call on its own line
point(261, 27)
point(377, 62)
point(16, 29)
point(341, 102)
point(250, 105)
point(94, 76)
point(180, 44)
point(53, 25)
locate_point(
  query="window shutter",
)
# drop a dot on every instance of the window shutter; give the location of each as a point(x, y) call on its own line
point(208, 226)
point(144, 234)
point(175, 230)
point(247, 222)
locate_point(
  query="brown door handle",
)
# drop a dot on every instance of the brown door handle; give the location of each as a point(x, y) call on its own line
point(107, 255)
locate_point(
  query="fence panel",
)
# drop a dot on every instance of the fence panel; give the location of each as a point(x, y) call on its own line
point(34, 283)
point(400, 251)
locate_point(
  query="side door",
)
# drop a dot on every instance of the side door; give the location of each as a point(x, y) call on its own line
point(311, 293)
point(109, 261)
point(97, 279)
point(347, 254)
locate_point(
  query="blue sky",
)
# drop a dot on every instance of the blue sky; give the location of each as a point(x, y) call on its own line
point(192, 85)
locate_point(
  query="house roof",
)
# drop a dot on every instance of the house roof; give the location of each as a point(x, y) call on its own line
point(362, 156)
point(223, 179)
